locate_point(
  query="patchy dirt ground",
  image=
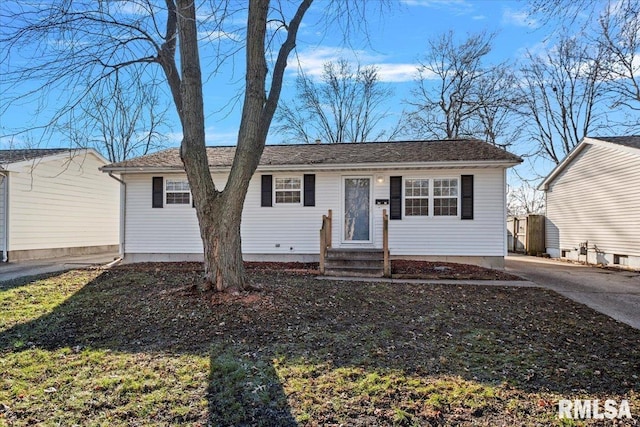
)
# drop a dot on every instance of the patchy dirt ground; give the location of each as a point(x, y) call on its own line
point(311, 352)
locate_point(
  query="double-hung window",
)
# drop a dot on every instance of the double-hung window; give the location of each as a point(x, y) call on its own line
point(445, 197)
point(288, 190)
point(430, 196)
point(177, 192)
point(416, 197)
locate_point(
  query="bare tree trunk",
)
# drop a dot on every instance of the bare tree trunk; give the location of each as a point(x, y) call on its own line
point(220, 212)
point(224, 269)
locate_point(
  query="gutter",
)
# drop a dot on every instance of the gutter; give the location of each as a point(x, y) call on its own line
point(5, 217)
point(123, 211)
point(327, 167)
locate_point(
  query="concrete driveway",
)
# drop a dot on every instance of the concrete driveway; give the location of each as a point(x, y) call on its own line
point(614, 293)
point(16, 270)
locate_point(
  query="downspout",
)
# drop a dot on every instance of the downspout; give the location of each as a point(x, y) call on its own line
point(123, 211)
point(5, 217)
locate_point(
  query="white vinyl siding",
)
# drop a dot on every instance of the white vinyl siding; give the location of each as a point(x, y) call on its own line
point(2, 213)
point(294, 229)
point(485, 235)
point(596, 199)
point(62, 201)
point(172, 229)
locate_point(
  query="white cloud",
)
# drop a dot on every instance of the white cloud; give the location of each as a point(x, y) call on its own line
point(457, 6)
point(212, 137)
point(312, 63)
point(518, 18)
point(397, 73)
point(218, 36)
point(131, 8)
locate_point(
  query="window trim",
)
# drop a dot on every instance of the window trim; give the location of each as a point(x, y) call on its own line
point(300, 190)
point(431, 199)
point(404, 196)
point(166, 193)
point(457, 197)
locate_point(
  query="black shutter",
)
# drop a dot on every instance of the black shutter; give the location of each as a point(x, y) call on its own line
point(267, 189)
point(466, 211)
point(395, 197)
point(309, 190)
point(158, 192)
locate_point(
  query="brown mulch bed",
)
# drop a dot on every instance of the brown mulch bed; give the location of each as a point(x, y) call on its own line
point(400, 269)
point(406, 269)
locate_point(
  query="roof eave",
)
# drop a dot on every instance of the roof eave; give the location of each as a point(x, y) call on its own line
point(544, 185)
point(327, 167)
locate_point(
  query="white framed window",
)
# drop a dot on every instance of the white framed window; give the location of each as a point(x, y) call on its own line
point(288, 190)
point(177, 192)
point(445, 197)
point(416, 197)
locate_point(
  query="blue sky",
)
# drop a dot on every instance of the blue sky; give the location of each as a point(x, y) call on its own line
point(396, 41)
point(395, 44)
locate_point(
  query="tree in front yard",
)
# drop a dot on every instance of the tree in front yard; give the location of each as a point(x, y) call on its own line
point(70, 43)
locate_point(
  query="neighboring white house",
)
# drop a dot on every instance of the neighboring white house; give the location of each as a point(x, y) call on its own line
point(445, 199)
point(593, 203)
point(56, 202)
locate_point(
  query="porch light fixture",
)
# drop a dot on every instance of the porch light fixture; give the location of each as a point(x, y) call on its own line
point(380, 179)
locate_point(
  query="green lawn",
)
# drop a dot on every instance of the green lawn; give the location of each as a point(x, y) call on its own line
point(136, 345)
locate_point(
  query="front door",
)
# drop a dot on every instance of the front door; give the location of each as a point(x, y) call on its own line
point(357, 209)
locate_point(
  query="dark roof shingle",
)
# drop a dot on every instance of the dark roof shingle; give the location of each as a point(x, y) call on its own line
point(13, 156)
point(632, 141)
point(338, 154)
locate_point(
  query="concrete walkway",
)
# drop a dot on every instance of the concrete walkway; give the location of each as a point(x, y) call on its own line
point(611, 292)
point(16, 270)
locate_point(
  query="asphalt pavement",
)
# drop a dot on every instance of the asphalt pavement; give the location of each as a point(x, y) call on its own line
point(615, 293)
point(15, 270)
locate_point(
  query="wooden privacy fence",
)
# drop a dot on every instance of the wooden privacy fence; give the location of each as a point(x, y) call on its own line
point(527, 234)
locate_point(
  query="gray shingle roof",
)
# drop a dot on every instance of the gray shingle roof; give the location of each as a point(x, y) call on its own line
point(632, 141)
point(13, 156)
point(338, 154)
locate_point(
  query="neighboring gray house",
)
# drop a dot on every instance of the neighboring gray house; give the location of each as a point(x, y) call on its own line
point(55, 202)
point(593, 203)
point(445, 200)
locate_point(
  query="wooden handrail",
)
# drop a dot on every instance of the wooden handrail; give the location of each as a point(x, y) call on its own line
point(385, 244)
point(325, 238)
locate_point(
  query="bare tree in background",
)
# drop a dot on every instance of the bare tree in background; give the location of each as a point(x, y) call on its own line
point(613, 25)
point(71, 43)
point(344, 106)
point(457, 95)
point(561, 90)
point(525, 199)
point(120, 117)
point(619, 39)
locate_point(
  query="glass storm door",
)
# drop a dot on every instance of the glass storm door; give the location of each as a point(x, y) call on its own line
point(357, 207)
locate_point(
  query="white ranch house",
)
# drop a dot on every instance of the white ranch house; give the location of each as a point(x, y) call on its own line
point(593, 203)
point(445, 201)
point(56, 202)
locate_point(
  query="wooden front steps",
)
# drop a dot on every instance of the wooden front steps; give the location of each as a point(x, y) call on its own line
point(354, 262)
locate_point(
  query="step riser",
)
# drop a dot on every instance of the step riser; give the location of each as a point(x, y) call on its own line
point(354, 263)
point(335, 263)
point(352, 273)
